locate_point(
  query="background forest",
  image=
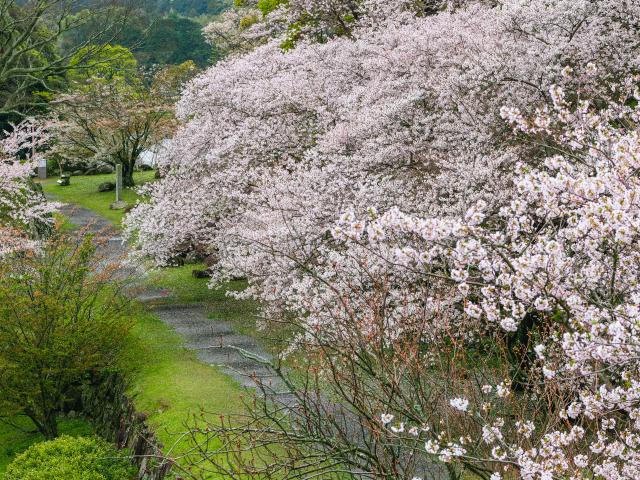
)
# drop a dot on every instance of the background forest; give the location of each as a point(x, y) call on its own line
point(159, 31)
point(45, 36)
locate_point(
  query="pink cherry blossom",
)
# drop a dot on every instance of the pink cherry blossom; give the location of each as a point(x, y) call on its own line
point(23, 210)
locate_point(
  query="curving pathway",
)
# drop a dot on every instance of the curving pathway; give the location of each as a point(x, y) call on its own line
point(215, 342)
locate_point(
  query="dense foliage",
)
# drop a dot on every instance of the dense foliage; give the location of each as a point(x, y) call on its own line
point(444, 202)
point(63, 318)
point(156, 36)
point(191, 8)
point(31, 66)
point(82, 458)
point(173, 40)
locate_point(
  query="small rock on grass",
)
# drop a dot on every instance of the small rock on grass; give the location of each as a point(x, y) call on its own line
point(106, 187)
point(201, 273)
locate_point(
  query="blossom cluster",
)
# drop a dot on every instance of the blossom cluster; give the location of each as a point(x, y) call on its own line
point(23, 210)
point(476, 167)
point(277, 146)
point(563, 250)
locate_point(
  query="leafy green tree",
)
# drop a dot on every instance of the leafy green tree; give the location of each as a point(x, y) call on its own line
point(60, 321)
point(113, 65)
point(268, 6)
point(30, 65)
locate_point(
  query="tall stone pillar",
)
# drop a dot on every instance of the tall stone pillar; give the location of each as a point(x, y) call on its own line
point(118, 182)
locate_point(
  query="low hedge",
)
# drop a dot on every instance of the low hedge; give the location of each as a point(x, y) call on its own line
point(71, 458)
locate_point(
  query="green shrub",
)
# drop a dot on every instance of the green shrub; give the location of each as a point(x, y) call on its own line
point(71, 458)
point(268, 6)
point(61, 322)
point(247, 21)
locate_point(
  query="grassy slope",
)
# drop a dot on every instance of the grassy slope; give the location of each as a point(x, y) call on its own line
point(160, 387)
point(168, 383)
point(84, 191)
point(14, 441)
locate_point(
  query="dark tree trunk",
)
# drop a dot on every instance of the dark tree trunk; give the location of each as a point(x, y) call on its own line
point(50, 427)
point(47, 426)
point(127, 174)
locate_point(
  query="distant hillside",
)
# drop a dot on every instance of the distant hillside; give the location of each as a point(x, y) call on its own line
point(159, 32)
point(192, 8)
point(187, 8)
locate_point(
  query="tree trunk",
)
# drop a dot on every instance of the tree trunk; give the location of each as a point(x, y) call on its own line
point(50, 427)
point(47, 426)
point(127, 174)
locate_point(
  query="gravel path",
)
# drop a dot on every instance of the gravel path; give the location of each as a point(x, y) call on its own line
point(215, 342)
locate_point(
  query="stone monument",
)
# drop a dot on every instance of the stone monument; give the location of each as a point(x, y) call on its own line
point(119, 204)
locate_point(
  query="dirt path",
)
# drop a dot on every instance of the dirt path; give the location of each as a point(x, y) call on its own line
point(215, 342)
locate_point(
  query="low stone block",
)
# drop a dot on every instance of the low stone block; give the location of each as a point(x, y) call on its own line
point(118, 205)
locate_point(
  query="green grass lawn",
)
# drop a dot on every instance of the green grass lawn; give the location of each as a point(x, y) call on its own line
point(185, 288)
point(170, 385)
point(167, 382)
point(16, 438)
point(83, 191)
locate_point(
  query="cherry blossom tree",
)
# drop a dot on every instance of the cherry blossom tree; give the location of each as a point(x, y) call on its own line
point(111, 124)
point(501, 341)
point(372, 189)
point(555, 265)
point(24, 213)
point(404, 114)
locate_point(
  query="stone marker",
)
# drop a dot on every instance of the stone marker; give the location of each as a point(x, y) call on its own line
point(118, 182)
point(42, 169)
point(119, 204)
point(65, 180)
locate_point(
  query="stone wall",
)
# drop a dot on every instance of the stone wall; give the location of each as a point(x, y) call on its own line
point(106, 404)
